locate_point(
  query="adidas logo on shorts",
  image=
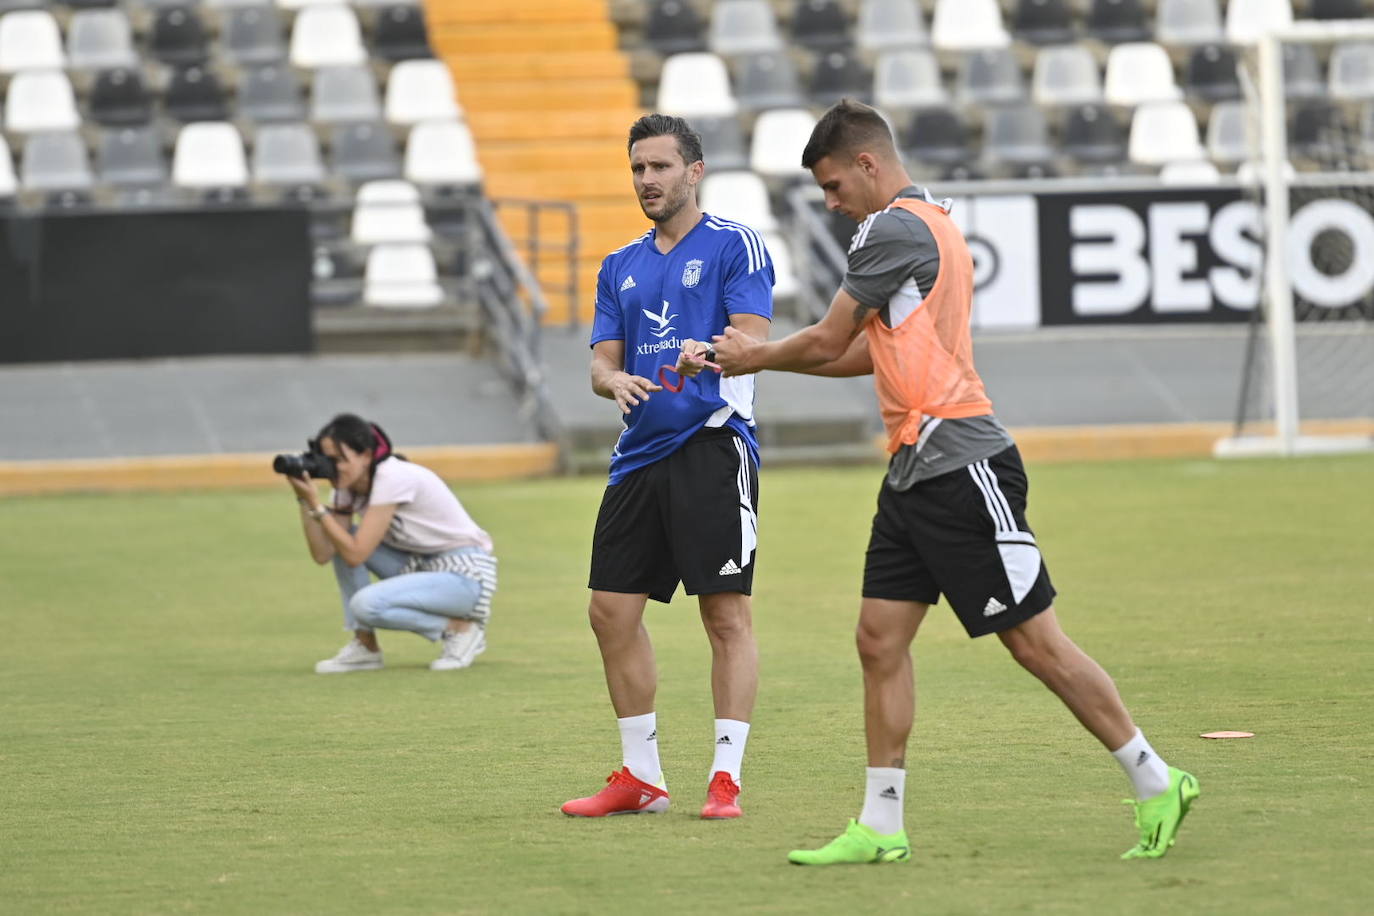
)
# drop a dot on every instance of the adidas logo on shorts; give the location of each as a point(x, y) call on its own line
point(731, 568)
point(993, 607)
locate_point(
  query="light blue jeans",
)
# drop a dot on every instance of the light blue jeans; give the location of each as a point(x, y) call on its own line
point(421, 602)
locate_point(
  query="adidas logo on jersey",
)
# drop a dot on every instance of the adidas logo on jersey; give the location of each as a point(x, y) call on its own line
point(628, 284)
point(730, 568)
point(993, 607)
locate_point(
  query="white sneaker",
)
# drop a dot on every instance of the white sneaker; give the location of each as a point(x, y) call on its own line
point(353, 657)
point(460, 649)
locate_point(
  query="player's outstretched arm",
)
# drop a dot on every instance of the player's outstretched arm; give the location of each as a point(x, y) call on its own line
point(856, 361)
point(826, 341)
point(610, 380)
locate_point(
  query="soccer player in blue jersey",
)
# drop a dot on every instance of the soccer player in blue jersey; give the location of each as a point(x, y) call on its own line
point(681, 504)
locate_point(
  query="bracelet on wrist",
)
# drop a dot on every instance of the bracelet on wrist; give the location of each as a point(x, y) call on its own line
point(318, 513)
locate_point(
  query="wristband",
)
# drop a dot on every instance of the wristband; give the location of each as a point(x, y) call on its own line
point(318, 513)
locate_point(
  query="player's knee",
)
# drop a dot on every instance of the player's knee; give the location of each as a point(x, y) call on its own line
point(876, 648)
point(728, 625)
point(607, 620)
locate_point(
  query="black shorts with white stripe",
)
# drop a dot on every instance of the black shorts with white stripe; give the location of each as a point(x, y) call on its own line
point(691, 517)
point(962, 535)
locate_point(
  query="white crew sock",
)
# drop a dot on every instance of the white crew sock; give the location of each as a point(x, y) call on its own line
point(639, 747)
point(883, 800)
point(731, 736)
point(1148, 773)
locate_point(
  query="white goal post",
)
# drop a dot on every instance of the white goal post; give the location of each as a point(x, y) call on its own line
point(1265, 86)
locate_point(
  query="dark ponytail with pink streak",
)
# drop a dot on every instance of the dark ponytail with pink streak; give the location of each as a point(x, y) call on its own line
point(360, 436)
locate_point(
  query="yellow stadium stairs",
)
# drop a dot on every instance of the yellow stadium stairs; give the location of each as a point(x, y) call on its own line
point(548, 95)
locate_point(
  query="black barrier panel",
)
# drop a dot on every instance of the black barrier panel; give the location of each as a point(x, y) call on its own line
point(1148, 256)
point(183, 283)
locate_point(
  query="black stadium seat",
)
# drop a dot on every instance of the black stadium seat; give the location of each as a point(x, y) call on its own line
point(400, 33)
point(937, 136)
point(195, 94)
point(118, 97)
point(1093, 135)
point(1042, 22)
point(840, 73)
point(178, 36)
point(1116, 21)
point(673, 27)
point(1211, 74)
point(820, 25)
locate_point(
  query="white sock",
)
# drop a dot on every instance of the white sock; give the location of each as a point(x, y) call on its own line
point(883, 800)
point(639, 746)
point(731, 736)
point(1149, 774)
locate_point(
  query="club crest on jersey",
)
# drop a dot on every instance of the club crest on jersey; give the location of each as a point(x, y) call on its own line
point(691, 274)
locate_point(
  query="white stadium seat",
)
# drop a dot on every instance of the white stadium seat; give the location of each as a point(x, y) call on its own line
point(1164, 132)
point(785, 283)
point(389, 211)
point(209, 154)
point(420, 90)
point(966, 25)
point(779, 138)
point(908, 78)
point(1197, 173)
point(327, 36)
point(1066, 75)
point(1139, 72)
point(442, 153)
point(743, 27)
point(100, 40)
point(8, 183)
point(40, 100)
point(886, 25)
point(1188, 22)
point(738, 196)
point(401, 276)
point(30, 40)
point(696, 85)
point(1247, 20)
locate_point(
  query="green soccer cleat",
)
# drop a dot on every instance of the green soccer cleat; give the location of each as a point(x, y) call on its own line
point(1158, 818)
point(858, 845)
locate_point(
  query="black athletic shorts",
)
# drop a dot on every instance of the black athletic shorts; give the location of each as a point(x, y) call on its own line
point(963, 535)
point(691, 517)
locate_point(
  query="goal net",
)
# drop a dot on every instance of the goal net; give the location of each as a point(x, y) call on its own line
point(1308, 379)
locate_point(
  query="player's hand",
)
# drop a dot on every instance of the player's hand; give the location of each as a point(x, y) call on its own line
point(732, 351)
point(629, 390)
point(692, 358)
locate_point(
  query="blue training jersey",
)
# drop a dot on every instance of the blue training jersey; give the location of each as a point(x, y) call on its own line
point(653, 302)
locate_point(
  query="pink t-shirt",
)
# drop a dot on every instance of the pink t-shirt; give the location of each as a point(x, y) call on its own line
point(428, 519)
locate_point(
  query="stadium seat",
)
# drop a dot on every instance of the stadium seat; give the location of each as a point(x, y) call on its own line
point(722, 143)
point(965, 25)
point(1227, 138)
point(119, 98)
point(695, 85)
point(886, 25)
point(420, 90)
point(1093, 136)
point(1350, 72)
point(673, 27)
point(907, 79)
point(937, 137)
point(442, 154)
point(399, 33)
point(1164, 132)
point(1302, 72)
point(252, 34)
point(177, 36)
point(131, 157)
point(1042, 22)
point(741, 197)
point(340, 94)
point(1199, 174)
point(388, 211)
point(401, 276)
point(327, 36)
point(767, 79)
point(287, 156)
point(194, 94)
point(1337, 9)
point(820, 25)
point(9, 184)
point(1139, 72)
point(839, 74)
point(989, 76)
point(785, 283)
point(1319, 131)
point(1114, 21)
point(1066, 75)
point(100, 40)
point(30, 40)
point(1247, 20)
point(779, 137)
point(1186, 23)
point(39, 100)
point(1017, 136)
point(363, 152)
point(209, 155)
point(55, 161)
point(743, 27)
point(1210, 74)
point(271, 92)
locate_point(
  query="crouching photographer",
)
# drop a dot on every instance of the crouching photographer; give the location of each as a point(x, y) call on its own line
point(434, 565)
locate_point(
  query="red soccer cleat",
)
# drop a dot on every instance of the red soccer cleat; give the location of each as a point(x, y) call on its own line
point(721, 798)
point(624, 794)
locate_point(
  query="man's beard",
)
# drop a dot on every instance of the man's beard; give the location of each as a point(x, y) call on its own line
point(670, 209)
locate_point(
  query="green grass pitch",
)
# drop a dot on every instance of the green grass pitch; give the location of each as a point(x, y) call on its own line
point(166, 748)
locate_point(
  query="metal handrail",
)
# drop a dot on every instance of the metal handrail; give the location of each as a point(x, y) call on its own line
point(535, 245)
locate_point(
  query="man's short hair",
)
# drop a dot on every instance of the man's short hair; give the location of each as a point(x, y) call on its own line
point(661, 125)
point(851, 127)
